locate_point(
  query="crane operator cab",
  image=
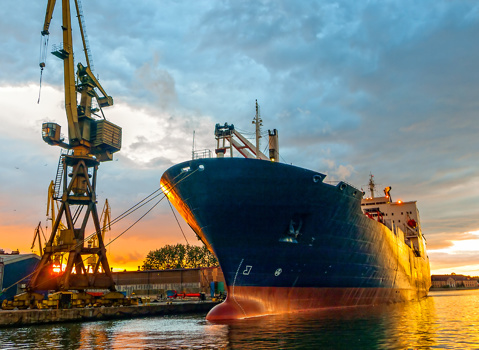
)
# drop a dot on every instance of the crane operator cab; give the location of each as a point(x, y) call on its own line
point(51, 133)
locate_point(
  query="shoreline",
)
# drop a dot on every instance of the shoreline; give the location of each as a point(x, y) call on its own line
point(21, 318)
point(440, 289)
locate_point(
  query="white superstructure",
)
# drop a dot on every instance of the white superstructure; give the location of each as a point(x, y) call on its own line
point(396, 215)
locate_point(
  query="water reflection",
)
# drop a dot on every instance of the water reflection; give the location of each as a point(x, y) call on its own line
point(412, 326)
point(444, 320)
point(390, 327)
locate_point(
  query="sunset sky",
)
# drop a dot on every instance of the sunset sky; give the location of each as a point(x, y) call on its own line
point(383, 87)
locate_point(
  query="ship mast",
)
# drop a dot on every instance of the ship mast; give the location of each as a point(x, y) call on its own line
point(226, 132)
point(372, 185)
point(259, 123)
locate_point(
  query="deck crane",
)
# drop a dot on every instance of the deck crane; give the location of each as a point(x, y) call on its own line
point(90, 141)
point(226, 132)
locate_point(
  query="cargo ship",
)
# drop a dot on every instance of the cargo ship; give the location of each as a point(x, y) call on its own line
point(287, 240)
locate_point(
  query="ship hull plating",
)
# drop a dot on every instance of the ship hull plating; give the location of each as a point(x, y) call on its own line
point(288, 241)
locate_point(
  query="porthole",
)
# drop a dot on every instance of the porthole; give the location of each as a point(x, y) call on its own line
point(317, 178)
point(201, 167)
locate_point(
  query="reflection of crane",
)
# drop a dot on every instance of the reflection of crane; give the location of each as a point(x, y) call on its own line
point(90, 141)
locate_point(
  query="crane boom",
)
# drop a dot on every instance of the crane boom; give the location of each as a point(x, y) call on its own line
point(86, 136)
point(74, 133)
point(86, 75)
point(48, 17)
point(82, 32)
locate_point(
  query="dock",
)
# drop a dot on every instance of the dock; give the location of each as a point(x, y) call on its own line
point(20, 318)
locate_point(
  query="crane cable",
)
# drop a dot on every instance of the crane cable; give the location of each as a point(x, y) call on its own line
point(40, 89)
point(122, 216)
point(43, 58)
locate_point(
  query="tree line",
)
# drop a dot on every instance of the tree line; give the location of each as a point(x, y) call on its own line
point(179, 256)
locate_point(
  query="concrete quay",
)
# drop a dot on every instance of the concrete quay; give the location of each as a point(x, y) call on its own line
point(20, 318)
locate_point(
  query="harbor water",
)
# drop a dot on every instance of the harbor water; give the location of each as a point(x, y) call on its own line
point(445, 320)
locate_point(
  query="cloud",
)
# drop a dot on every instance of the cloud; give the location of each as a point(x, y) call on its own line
point(454, 253)
point(453, 261)
point(155, 84)
point(353, 88)
point(444, 240)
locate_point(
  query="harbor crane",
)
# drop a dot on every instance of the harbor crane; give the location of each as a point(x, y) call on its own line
point(91, 140)
point(37, 236)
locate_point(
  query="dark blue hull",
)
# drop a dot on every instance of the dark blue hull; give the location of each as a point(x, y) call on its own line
point(278, 226)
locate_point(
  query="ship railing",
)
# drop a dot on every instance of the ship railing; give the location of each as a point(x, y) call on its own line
point(338, 183)
point(201, 154)
point(335, 183)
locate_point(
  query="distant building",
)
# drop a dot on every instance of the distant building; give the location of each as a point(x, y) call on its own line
point(13, 268)
point(208, 280)
point(453, 281)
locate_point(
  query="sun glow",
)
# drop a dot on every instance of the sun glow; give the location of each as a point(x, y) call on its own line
point(465, 246)
point(458, 247)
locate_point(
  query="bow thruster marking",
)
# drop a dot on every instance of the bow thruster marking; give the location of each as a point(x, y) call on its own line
point(234, 283)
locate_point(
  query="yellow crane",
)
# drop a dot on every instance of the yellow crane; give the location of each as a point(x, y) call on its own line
point(52, 205)
point(91, 140)
point(38, 237)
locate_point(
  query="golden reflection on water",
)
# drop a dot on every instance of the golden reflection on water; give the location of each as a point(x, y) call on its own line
point(96, 336)
point(457, 319)
point(412, 325)
point(445, 320)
